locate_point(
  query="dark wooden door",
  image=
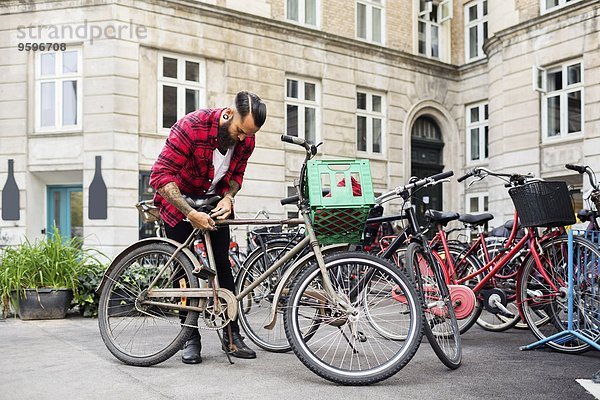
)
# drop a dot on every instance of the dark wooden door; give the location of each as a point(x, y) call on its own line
point(426, 160)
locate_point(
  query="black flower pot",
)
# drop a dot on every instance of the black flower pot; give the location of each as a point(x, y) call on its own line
point(43, 303)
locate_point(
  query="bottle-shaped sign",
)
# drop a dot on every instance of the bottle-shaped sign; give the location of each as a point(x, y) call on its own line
point(97, 201)
point(10, 196)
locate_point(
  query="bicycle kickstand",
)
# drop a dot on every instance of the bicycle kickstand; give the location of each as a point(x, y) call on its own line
point(222, 345)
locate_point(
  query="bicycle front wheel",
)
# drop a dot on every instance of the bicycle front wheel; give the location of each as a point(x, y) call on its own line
point(135, 331)
point(548, 295)
point(440, 325)
point(336, 339)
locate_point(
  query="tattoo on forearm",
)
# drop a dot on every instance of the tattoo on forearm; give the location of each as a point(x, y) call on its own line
point(234, 187)
point(172, 194)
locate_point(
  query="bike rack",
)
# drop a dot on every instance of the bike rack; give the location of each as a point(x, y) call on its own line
point(574, 328)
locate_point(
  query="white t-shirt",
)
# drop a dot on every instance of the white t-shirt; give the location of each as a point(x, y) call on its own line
point(221, 164)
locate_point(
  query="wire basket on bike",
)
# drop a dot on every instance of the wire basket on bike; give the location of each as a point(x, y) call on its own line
point(543, 204)
point(341, 195)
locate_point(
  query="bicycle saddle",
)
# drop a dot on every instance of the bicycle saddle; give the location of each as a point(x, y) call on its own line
point(441, 217)
point(476, 219)
point(202, 204)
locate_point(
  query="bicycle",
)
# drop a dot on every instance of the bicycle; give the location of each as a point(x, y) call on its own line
point(591, 197)
point(541, 281)
point(325, 321)
point(440, 324)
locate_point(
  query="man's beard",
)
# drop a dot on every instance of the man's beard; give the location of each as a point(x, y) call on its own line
point(225, 141)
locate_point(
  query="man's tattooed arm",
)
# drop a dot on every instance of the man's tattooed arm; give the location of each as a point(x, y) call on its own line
point(172, 194)
point(234, 187)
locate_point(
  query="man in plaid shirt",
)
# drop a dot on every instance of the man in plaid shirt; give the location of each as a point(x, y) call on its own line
point(206, 154)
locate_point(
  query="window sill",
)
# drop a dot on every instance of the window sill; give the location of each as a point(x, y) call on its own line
point(576, 137)
point(59, 132)
point(478, 163)
point(371, 156)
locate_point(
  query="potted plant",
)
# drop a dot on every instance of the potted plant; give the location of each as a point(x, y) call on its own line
point(39, 279)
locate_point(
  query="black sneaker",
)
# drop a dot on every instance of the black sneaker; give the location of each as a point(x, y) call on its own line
point(192, 349)
point(239, 348)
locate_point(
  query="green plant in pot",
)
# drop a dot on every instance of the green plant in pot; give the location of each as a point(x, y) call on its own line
point(39, 279)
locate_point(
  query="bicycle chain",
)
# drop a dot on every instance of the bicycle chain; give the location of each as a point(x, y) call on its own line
point(205, 328)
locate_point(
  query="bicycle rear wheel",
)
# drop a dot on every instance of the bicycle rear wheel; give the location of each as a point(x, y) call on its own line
point(346, 348)
point(440, 325)
point(138, 333)
point(538, 296)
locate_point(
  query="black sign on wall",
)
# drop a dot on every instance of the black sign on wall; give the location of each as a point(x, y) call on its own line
point(97, 194)
point(10, 196)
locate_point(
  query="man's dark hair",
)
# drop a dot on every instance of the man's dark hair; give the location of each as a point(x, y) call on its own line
point(246, 102)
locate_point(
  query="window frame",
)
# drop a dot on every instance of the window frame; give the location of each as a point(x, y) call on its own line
point(479, 23)
point(302, 104)
point(480, 126)
point(302, 14)
point(58, 79)
point(561, 4)
point(563, 100)
point(370, 4)
point(369, 114)
point(440, 24)
point(480, 196)
point(181, 84)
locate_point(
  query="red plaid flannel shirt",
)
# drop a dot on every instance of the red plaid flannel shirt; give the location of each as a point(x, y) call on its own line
point(187, 160)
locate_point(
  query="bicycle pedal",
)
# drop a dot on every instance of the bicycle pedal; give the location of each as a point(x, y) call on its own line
point(204, 272)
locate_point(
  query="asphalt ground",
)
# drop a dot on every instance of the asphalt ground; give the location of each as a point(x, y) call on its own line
point(66, 359)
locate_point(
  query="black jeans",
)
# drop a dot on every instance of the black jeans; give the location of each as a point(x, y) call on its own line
point(220, 244)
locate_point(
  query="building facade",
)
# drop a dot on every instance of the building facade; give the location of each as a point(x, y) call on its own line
point(415, 86)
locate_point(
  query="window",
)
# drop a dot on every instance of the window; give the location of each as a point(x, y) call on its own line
point(370, 122)
point(477, 133)
point(181, 88)
point(305, 12)
point(477, 203)
point(562, 99)
point(146, 192)
point(551, 5)
point(476, 29)
point(58, 90)
point(302, 98)
point(370, 20)
point(431, 16)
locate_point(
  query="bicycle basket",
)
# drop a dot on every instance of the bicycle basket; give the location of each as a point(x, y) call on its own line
point(543, 204)
point(148, 211)
point(341, 195)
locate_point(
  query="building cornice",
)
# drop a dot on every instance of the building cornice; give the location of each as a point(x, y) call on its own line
point(253, 24)
point(573, 14)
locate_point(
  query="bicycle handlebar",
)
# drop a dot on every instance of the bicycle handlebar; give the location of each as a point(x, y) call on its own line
point(433, 179)
point(513, 179)
point(587, 170)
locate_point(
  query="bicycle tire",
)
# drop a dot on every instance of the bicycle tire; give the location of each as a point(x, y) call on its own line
point(535, 293)
point(255, 308)
point(337, 351)
point(439, 323)
point(123, 317)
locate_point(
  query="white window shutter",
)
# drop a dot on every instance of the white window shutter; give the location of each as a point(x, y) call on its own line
point(538, 78)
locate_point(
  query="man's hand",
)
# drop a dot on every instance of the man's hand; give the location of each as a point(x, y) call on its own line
point(223, 209)
point(201, 220)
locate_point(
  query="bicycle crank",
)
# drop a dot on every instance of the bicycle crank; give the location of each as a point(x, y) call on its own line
point(495, 302)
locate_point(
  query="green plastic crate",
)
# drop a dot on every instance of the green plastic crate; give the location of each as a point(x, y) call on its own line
point(340, 216)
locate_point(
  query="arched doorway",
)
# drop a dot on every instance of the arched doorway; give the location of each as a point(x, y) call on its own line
point(426, 159)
